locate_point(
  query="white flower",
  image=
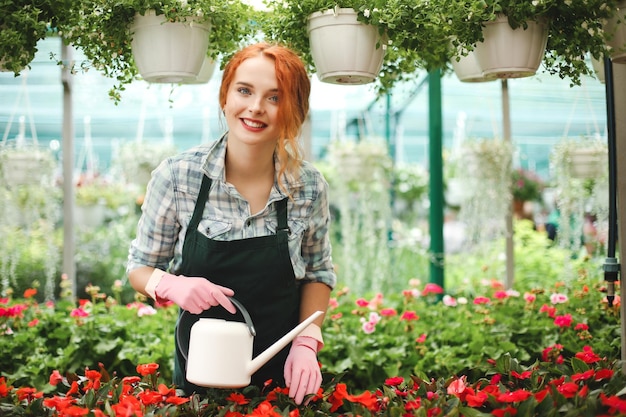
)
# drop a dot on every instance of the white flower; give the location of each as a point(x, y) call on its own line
point(366, 12)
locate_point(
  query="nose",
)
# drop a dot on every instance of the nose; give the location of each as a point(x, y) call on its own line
point(256, 106)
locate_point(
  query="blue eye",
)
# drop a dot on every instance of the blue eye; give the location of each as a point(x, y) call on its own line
point(274, 99)
point(243, 90)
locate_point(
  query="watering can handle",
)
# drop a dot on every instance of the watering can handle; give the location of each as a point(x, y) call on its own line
point(244, 313)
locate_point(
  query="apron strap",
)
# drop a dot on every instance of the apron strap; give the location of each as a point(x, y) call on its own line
point(281, 216)
point(200, 203)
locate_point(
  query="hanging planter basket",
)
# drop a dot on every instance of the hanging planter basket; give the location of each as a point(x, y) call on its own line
point(588, 163)
point(169, 52)
point(468, 70)
point(206, 72)
point(511, 53)
point(344, 50)
point(25, 166)
point(616, 28)
point(598, 69)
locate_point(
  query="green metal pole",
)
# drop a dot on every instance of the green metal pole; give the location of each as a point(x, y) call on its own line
point(436, 178)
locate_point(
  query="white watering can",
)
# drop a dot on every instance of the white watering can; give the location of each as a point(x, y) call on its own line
point(220, 351)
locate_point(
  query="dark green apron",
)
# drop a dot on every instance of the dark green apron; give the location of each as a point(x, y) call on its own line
point(260, 272)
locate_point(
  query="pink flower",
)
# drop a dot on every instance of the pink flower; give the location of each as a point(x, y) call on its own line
point(449, 301)
point(368, 327)
point(388, 312)
point(421, 339)
point(481, 300)
point(374, 318)
point(557, 298)
point(431, 288)
point(79, 312)
point(581, 326)
point(501, 295)
point(146, 310)
point(362, 302)
point(457, 387)
point(333, 303)
point(529, 297)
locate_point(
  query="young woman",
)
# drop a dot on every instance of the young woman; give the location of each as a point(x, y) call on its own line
point(244, 217)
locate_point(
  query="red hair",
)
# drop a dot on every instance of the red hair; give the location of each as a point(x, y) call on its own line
point(294, 88)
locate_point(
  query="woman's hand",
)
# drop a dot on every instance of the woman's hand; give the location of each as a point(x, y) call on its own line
point(302, 370)
point(194, 294)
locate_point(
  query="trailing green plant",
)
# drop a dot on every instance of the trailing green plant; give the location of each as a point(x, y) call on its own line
point(101, 30)
point(23, 24)
point(575, 28)
point(526, 185)
point(413, 34)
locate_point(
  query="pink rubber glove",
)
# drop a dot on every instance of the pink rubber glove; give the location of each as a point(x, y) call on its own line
point(302, 371)
point(194, 294)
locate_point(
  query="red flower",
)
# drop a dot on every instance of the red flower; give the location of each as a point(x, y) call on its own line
point(30, 292)
point(523, 375)
point(147, 369)
point(457, 387)
point(413, 404)
point(548, 309)
point(75, 411)
point(603, 374)
point(4, 388)
point(59, 403)
point(409, 316)
point(237, 398)
point(28, 394)
point(388, 312)
point(583, 376)
point(362, 302)
point(587, 355)
point(265, 409)
point(563, 321)
point(394, 381)
point(614, 403)
point(514, 397)
point(481, 300)
point(568, 389)
point(476, 400)
point(511, 411)
point(431, 288)
point(55, 378)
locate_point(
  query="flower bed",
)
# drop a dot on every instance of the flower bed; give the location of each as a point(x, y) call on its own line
point(477, 352)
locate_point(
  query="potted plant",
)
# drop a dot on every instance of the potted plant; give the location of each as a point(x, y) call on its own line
point(22, 25)
point(410, 36)
point(574, 28)
point(103, 31)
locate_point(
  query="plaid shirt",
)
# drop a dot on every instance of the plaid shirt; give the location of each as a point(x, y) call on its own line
point(171, 196)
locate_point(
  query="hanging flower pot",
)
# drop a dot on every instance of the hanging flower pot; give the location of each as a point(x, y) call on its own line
point(467, 69)
point(511, 53)
point(615, 27)
point(206, 72)
point(169, 52)
point(588, 163)
point(598, 69)
point(344, 50)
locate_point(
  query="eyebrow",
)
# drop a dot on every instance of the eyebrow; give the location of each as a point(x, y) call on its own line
point(246, 84)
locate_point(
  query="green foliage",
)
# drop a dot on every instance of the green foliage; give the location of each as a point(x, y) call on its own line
point(413, 34)
point(65, 336)
point(101, 30)
point(575, 28)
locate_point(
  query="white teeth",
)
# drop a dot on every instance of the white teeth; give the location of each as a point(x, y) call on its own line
point(252, 124)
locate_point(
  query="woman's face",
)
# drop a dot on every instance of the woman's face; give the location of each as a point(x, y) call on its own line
point(252, 102)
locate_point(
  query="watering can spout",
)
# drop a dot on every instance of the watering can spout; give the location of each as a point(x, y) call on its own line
point(271, 351)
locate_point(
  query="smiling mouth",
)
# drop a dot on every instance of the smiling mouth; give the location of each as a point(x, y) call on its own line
point(252, 123)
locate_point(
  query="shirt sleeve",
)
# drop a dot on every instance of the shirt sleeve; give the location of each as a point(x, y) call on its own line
point(158, 226)
point(316, 246)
